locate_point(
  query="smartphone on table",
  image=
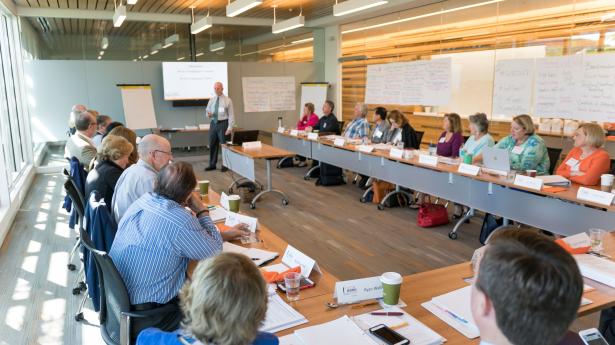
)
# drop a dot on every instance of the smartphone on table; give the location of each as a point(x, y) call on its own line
point(389, 336)
point(592, 337)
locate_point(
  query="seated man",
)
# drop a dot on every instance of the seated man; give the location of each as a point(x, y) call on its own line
point(158, 236)
point(527, 291)
point(138, 179)
point(358, 128)
point(102, 122)
point(80, 145)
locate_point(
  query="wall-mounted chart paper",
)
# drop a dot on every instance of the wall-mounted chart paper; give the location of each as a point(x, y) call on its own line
point(138, 106)
point(512, 89)
point(596, 91)
point(262, 94)
point(315, 93)
point(425, 82)
point(555, 82)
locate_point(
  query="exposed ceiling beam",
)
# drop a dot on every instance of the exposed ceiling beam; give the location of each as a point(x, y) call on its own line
point(24, 11)
point(9, 5)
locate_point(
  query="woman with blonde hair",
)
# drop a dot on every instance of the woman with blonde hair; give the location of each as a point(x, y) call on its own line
point(587, 160)
point(112, 159)
point(131, 136)
point(224, 304)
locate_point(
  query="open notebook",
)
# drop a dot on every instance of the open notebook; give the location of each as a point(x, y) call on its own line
point(454, 308)
point(258, 256)
point(280, 315)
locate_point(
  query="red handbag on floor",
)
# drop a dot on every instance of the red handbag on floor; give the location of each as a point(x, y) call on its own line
point(431, 214)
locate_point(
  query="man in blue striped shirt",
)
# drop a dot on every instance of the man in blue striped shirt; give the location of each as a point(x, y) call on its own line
point(158, 236)
point(358, 128)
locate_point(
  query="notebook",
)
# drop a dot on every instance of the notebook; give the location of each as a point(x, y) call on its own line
point(280, 315)
point(339, 331)
point(455, 309)
point(595, 268)
point(554, 180)
point(217, 214)
point(258, 256)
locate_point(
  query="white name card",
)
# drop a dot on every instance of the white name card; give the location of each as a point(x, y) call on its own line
point(396, 153)
point(528, 182)
point(352, 291)
point(312, 136)
point(293, 258)
point(250, 145)
point(339, 142)
point(597, 196)
point(365, 148)
point(294, 132)
point(233, 219)
point(428, 160)
point(224, 201)
point(281, 130)
point(468, 169)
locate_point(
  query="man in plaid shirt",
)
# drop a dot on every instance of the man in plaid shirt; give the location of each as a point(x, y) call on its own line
point(358, 128)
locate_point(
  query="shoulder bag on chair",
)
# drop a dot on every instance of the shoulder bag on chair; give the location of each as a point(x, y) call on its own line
point(431, 214)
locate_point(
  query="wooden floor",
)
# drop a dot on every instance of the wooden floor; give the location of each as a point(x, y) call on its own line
point(351, 239)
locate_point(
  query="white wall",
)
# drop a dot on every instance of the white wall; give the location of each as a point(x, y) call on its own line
point(55, 85)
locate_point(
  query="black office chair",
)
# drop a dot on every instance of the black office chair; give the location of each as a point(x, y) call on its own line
point(116, 316)
point(612, 166)
point(465, 138)
point(554, 154)
point(79, 206)
point(419, 136)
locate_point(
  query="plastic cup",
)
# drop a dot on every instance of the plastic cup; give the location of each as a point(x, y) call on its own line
point(233, 203)
point(467, 158)
point(292, 283)
point(391, 286)
point(204, 187)
point(606, 181)
point(531, 173)
point(596, 237)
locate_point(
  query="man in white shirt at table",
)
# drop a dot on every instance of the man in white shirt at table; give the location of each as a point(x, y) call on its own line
point(220, 111)
point(527, 291)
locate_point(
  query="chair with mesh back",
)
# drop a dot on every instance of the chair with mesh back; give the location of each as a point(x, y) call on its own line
point(78, 205)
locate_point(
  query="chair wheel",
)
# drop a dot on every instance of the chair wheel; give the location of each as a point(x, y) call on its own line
point(306, 178)
point(284, 202)
point(71, 267)
point(76, 291)
point(452, 235)
point(380, 207)
point(362, 199)
point(79, 317)
point(354, 182)
point(252, 205)
point(82, 286)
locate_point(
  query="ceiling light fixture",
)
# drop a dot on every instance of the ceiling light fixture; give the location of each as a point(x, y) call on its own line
point(352, 6)
point(156, 48)
point(119, 16)
point(180, 58)
point(145, 57)
point(200, 54)
point(288, 24)
point(104, 43)
point(239, 6)
point(102, 52)
point(99, 57)
point(214, 47)
point(131, 2)
point(201, 24)
point(305, 40)
point(171, 40)
point(375, 26)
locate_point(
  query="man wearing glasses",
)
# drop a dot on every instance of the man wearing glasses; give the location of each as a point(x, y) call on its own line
point(80, 145)
point(138, 179)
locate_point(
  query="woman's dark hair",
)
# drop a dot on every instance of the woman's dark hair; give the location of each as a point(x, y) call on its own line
point(382, 112)
point(111, 126)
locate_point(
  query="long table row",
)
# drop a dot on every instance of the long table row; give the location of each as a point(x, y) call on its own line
point(416, 289)
point(561, 213)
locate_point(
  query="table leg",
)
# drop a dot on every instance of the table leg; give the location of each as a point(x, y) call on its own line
point(269, 189)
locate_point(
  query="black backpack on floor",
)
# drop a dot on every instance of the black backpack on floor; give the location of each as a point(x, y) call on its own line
point(330, 175)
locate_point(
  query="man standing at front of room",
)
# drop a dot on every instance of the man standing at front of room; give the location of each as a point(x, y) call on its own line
point(220, 111)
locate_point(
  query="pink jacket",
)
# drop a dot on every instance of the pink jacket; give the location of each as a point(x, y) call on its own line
point(305, 122)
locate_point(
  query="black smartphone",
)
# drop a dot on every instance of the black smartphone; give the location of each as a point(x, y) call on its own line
point(388, 335)
point(305, 283)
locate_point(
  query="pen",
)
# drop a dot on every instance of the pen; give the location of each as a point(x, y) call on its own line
point(255, 259)
point(458, 318)
point(387, 313)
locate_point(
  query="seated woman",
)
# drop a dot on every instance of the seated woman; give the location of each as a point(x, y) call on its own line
point(309, 119)
point(527, 150)
point(112, 159)
point(224, 304)
point(382, 127)
point(451, 139)
point(401, 131)
point(587, 160)
point(479, 135)
point(131, 136)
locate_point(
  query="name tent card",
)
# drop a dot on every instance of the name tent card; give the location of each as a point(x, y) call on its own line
point(468, 169)
point(233, 219)
point(597, 196)
point(294, 132)
point(428, 160)
point(351, 291)
point(339, 142)
point(312, 136)
point(396, 153)
point(365, 148)
point(528, 182)
point(251, 145)
point(293, 258)
point(281, 130)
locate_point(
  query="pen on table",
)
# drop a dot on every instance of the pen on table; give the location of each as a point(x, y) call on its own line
point(458, 318)
point(387, 313)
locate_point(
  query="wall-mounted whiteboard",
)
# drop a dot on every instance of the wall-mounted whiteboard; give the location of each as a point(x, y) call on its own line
point(512, 87)
point(316, 94)
point(192, 80)
point(262, 94)
point(425, 82)
point(138, 107)
point(554, 86)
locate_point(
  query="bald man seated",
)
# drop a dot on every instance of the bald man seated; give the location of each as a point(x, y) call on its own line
point(154, 153)
point(80, 144)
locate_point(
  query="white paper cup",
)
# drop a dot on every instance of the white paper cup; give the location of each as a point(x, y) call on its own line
point(391, 287)
point(606, 181)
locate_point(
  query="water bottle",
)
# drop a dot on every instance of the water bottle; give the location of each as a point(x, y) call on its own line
point(279, 122)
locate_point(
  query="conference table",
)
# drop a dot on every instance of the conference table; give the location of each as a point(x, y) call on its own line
point(185, 138)
point(416, 288)
point(560, 213)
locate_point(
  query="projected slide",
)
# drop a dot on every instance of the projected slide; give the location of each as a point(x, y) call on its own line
point(192, 80)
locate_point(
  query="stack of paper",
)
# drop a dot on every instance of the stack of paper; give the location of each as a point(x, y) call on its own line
point(601, 270)
point(454, 308)
point(415, 331)
point(217, 214)
point(554, 180)
point(280, 315)
point(258, 256)
point(340, 331)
